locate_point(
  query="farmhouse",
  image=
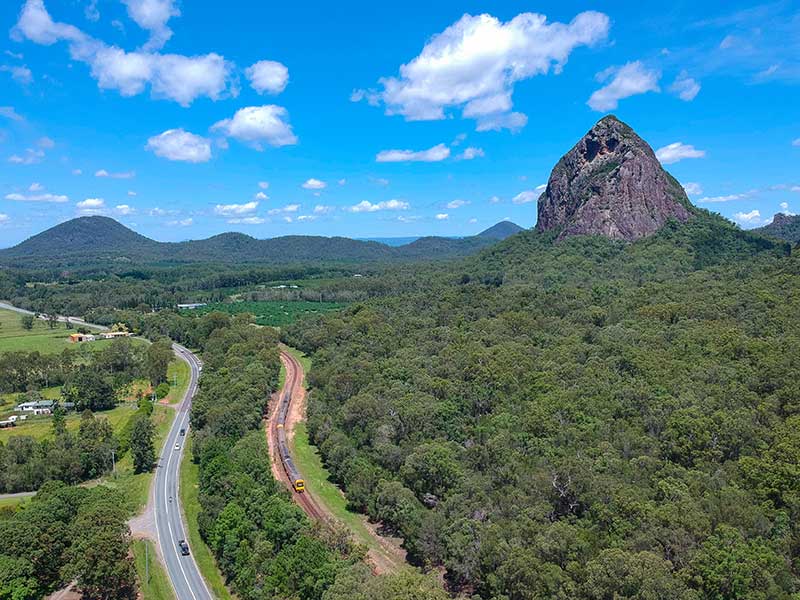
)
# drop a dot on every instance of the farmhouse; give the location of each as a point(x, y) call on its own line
point(36, 405)
point(76, 338)
point(7, 423)
point(110, 335)
point(191, 306)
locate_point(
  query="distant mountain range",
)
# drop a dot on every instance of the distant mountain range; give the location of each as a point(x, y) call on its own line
point(102, 239)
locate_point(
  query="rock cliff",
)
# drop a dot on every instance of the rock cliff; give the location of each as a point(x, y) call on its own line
point(611, 184)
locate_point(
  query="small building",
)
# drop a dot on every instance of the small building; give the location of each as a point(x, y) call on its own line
point(110, 335)
point(36, 405)
point(76, 338)
point(191, 305)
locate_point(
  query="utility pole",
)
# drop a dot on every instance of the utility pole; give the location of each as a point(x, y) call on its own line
point(113, 464)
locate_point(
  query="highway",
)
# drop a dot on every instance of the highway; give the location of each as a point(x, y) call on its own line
point(186, 579)
point(183, 572)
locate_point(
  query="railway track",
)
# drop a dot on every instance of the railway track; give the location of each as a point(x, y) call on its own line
point(293, 386)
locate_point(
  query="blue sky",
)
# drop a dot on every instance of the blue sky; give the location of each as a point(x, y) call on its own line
point(185, 119)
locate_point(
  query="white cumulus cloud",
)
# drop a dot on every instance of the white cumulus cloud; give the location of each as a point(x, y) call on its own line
point(321, 209)
point(471, 152)
point(313, 184)
point(693, 189)
point(268, 76)
point(289, 208)
point(247, 221)
point(227, 210)
point(457, 203)
point(435, 154)
point(180, 145)
point(525, 197)
point(124, 209)
point(171, 76)
point(31, 157)
point(367, 206)
point(153, 16)
point(748, 218)
point(20, 74)
point(685, 87)
point(442, 217)
point(102, 173)
point(259, 125)
point(678, 151)
point(628, 80)
point(4, 218)
point(46, 197)
point(474, 64)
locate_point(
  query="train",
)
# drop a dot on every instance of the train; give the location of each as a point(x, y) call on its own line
point(292, 473)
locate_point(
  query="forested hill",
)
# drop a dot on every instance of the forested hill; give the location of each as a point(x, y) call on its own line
point(783, 227)
point(578, 419)
point(99, 239)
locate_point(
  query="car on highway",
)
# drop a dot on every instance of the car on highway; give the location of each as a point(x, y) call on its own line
point(184, 547)
point(177, 446)
point(183, 431)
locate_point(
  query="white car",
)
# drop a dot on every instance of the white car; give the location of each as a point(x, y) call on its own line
point(177, 446)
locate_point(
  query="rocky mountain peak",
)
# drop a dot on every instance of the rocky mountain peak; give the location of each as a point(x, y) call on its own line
point(611, 183)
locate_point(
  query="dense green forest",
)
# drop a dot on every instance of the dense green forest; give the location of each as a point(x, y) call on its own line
point(263, 542)
point(583, 419)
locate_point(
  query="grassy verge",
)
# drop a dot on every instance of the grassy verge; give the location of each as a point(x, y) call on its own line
point(178, 371)
point(316, 476)
point(189, 491)
point(136, 487)
point(13, 502)
point(153, 581)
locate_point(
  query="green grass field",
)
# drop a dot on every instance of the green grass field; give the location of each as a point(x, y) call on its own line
point(41, 338)
point(13, 502)
point(189, 486)
point(272, 313)
point(42, 426)
point(153, 580)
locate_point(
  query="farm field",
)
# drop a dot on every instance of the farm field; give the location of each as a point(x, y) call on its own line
point(272, 313)
point(14, 338)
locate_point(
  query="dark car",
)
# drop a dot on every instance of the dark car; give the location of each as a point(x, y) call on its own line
point(184, 547)
point(183, 432)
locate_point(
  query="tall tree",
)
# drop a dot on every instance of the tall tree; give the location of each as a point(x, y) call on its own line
point(158, 357)
point(142, 449)
point(27, 322)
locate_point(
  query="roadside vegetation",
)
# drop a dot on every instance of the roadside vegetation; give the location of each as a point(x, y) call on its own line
point(153, 580)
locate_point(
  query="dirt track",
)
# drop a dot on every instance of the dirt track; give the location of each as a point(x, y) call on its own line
point(389, 557)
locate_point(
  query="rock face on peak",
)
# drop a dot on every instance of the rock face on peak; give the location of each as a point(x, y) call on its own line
point(784, 227)
point(611, 184)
